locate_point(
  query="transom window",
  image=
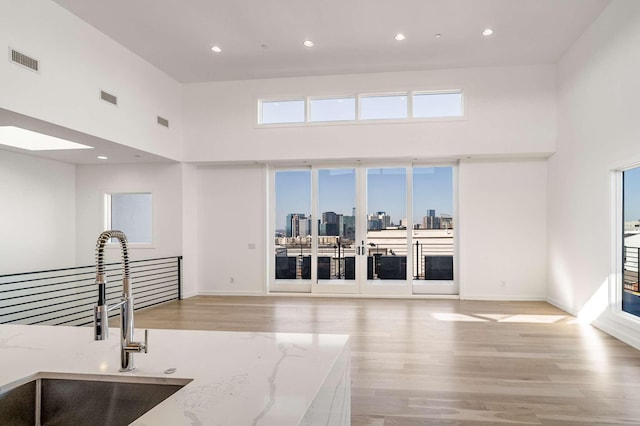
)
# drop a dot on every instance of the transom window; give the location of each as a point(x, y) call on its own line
point(403, 106)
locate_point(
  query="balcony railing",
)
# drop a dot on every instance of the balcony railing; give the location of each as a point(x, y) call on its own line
point(67, 296)
point(386, 257)
point(630, 268)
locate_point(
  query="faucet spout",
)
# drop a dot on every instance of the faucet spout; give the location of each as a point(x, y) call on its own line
point(101, 311)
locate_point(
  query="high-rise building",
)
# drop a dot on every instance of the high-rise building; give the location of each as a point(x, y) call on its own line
point(330, 217)
point(298, 225)
point(430, 221)
point(347, 225)
point(378, 221)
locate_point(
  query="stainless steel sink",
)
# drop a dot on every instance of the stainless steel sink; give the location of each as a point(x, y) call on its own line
point(73, 401)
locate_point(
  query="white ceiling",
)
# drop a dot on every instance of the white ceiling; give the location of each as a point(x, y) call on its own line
point(116, 153)
point(350, 36)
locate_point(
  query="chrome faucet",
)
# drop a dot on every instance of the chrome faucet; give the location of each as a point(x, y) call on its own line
point(101, 311)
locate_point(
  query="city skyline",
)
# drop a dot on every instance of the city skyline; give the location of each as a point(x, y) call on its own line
point(386, 191)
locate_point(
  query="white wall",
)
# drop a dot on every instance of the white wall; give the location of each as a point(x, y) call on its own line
point(190, 230)
point(598, 131)
point(502, 230)
point(77, 61)
point(164, 181)
point(37, 214)
point(496, 198)
point(231, 208)
point(510, 111)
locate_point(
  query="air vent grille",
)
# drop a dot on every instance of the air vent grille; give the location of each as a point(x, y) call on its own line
point(24, 60)
point(108, 97)
point(163, 121)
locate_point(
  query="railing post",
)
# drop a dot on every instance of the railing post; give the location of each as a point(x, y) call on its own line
point(417, 260)
point(179, 277)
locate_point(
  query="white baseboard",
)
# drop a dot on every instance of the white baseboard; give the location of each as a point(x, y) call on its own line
point(559, 305)
point(230, 293)
point(611, 323)
point(190, 294)
point(502, 297)
point(367, 296)
point(618, 328)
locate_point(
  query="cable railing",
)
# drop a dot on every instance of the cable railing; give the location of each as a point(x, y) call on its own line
point(630, 268)
point(66, 296)
point(432, 258)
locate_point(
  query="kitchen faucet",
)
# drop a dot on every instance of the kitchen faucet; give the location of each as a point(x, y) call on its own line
point(101, 311)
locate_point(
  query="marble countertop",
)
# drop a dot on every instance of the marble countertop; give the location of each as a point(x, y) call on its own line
point(236, 378)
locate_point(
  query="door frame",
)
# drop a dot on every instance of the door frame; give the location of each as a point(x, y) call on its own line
point(361, 285)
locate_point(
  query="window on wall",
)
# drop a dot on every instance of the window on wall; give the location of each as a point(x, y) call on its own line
point(435, 105)
point(383, 107)
point(631, 240)
point(131, 213)
point(291, 111)
point(403, 106)
point(332, 109)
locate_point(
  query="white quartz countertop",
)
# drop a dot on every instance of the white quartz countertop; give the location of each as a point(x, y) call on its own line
point(236, 378)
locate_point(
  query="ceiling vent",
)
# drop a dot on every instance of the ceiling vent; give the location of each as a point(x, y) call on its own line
point(108, 97)
point(163, 122)
point(24, 60)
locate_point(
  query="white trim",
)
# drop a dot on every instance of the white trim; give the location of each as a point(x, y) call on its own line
point(504, 297)
point(622, 327)
point(230, 293)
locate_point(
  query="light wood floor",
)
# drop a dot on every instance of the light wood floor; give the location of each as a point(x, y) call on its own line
point(447, 362)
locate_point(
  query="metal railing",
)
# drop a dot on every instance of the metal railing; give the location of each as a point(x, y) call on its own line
point(67, 296)
point(630, 268)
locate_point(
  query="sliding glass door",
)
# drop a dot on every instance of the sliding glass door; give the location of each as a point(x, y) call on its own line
point(630, 296)
point(386, 223)
point(336, 228)
point(291, 221)
point(364, 229)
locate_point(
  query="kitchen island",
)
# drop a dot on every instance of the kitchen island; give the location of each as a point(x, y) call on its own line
point(232, 378)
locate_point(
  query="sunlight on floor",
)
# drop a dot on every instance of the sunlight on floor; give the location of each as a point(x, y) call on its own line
point(534, 319)
point(451, 316)
point(519, 318)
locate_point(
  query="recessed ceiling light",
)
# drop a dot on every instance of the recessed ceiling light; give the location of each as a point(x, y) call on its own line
point(102, 157)
point(18, 137)
point(400, 37)
point(216, 49)
point(438, 35)
point(308, 43)
point(487, 32)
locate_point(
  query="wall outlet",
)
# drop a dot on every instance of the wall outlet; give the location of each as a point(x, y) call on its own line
point(251, 246)
point(503, 283)
point(231, 280)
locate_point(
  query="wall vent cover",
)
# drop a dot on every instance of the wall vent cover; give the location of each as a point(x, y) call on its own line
point(24, 60)
point(108, 97)
point(163, 121)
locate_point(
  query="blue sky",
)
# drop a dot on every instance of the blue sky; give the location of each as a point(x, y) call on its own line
point(386, 191)
point(632, 194)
